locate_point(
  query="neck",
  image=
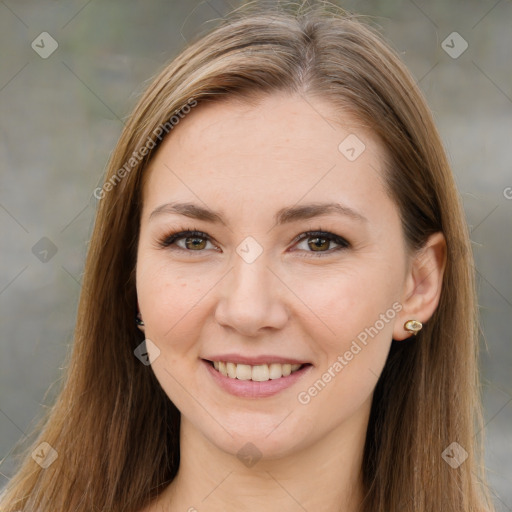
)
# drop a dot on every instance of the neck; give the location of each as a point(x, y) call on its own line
point(323, 476)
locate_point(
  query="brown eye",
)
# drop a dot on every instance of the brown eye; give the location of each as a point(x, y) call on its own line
point(319, 244)
point(189, 241)
point(195, 242)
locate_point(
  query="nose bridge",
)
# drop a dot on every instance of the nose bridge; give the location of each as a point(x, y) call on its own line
point(250, 274)
point(251, 277)
point(250, 298)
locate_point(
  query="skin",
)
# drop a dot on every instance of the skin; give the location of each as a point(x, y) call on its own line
point(247, 161)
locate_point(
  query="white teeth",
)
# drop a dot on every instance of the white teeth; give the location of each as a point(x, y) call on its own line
point(231, 369)
point(258, 373)
point(243, 372)
point(287, 369)
point(275, 371)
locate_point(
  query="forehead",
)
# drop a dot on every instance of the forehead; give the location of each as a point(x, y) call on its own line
point(262, 155)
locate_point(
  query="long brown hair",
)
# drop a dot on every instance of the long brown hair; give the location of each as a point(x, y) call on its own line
point(116, 432)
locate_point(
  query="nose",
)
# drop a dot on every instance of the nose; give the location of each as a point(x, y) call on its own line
point(251, 299)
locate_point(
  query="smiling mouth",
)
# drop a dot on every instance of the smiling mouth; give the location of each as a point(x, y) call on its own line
point(257, 373)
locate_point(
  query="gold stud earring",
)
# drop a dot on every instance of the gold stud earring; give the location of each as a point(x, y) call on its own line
point(413, 326)
point(139, 321)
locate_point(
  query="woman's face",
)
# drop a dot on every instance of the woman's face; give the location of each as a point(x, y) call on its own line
point(254, 288)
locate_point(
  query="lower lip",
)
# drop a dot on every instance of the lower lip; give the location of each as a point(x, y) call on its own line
point(254, 389)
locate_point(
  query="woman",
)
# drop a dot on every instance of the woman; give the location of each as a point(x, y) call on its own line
point(278, 308)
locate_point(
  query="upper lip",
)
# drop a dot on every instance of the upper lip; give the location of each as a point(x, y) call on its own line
point(255, 360)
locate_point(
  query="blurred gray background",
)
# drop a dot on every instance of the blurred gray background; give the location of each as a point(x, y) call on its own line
point(62, 113)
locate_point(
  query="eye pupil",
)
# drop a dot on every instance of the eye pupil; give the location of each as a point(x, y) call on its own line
point(197, 243)
point(316, 245)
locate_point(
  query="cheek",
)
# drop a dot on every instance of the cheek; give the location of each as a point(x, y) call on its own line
point(357, 309)
point(169, 300)
point(352, 362)
point(346, 301)
point(170, 306)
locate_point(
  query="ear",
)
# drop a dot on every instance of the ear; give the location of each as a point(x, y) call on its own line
point(422, 288)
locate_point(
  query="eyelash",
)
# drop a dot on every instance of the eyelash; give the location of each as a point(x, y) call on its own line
point(168, 240)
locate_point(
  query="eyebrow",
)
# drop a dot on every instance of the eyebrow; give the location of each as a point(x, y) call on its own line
point(283, 216)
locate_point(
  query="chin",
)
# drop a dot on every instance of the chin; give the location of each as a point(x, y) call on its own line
point(256, 437)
